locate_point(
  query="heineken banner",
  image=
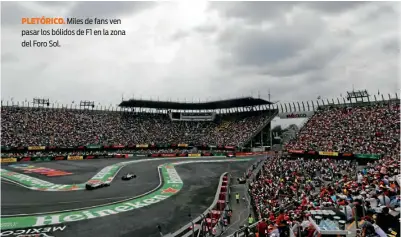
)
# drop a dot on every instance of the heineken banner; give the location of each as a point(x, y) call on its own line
point(94, 146)
point(41, 158)
point(368, 156)
point(163, 145)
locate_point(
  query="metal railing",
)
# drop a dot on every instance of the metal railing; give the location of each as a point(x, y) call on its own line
point(185, 231)
point(288, 107)
point(268, 121)
point(335, 102)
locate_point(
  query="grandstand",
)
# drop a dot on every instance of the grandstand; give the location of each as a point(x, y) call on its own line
point(285, 189)
point(344, 161)
point(365, 128)
point(244, 122)
point(136, 124)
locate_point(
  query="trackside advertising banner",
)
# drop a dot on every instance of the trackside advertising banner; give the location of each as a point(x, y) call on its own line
point(244, 153)
point(75, 158)
point(194, 155)
point(172, 184)
point(142, 145)
point(296, 151)
point(168, 155)
point(8, 160)
point(36, 148)
point(328, 153)
point(368, 156)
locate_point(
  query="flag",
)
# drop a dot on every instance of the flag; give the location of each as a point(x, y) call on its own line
point(378, 92)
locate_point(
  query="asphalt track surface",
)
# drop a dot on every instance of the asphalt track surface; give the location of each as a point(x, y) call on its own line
point(200, 184)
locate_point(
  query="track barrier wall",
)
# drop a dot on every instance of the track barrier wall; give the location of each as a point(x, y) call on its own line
point(210, 218)
point(124, 156)
point(332, 154)
point(97, 147)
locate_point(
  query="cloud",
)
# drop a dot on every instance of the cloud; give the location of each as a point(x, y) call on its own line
point(283, 40)
point(253, 12)
point(108, 9)
point(11, 13)
point(204, 50)
point(334, 7)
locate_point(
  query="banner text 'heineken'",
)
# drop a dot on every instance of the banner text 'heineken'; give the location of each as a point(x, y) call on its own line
point(93, 146)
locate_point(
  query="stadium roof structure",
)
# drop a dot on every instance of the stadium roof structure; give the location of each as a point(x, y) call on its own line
point(211, 105)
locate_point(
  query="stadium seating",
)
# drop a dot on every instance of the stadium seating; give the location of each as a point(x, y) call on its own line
point(285, 191)
point(371, 129)
point(68, 127)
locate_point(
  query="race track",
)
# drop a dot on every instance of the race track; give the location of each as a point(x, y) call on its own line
point(200, 181)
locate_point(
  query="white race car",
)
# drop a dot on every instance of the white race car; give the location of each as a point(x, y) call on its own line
point(128, 176)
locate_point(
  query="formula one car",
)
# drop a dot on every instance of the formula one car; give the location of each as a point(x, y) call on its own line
point(91, 186)
point(128, 176)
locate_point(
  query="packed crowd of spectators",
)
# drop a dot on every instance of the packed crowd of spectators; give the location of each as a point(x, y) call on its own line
point(285, 191)
point(102, 152)
point(372, 129)
point(62, 127)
